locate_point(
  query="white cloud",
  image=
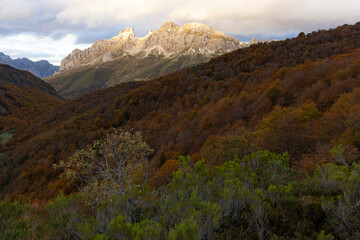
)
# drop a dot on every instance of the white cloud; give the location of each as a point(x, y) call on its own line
point(89, 19)
point(240, 16)
point(39, 48)
point(105, 13)
point(236, 16)
point(269, 16)
point(11, 10)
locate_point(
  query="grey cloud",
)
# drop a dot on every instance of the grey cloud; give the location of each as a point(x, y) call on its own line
point(102, 19)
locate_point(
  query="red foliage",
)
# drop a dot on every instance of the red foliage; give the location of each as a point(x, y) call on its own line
point(178, 112)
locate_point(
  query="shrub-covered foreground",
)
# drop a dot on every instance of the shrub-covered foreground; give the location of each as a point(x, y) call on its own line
point(256, 197)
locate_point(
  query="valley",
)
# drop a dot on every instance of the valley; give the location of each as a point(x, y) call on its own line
point(255, 141)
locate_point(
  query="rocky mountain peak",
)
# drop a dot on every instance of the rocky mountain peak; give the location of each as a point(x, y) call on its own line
point(168, 26)
point(169, 41)
point(199, 27)
point(202, 29)
point(254, 41)
point(126, 33)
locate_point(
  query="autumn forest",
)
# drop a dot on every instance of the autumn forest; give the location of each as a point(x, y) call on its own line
point(259, 143)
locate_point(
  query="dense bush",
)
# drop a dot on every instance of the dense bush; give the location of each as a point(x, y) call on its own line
point(256, 197)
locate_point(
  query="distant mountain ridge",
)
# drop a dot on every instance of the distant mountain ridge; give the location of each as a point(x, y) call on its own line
point(231, 94)
point(168, 41)
point(126, 58)
point(40, 68)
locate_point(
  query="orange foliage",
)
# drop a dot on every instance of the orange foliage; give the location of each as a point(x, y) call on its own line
point(163, 175)
point(24, 104)
point(294, 84)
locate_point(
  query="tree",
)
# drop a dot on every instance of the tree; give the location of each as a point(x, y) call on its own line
point(289, 130)
point(219, 149)
point(342, 210)
point(146, 229)
point(13, 224)
point(110, 169)
point(187, 229)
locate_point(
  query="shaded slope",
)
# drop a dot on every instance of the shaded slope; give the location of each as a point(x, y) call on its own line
point(76, 82)
point(178, 112)
point(23, 97)
point(20, 78)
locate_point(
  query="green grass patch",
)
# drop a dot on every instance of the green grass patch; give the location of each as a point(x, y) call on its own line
point(6, 136)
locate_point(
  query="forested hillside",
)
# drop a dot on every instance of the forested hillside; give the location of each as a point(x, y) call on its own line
point(298, 99)
point(23, 97)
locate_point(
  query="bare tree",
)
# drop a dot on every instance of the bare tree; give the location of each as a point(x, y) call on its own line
point(344, 215)
point(111, 169)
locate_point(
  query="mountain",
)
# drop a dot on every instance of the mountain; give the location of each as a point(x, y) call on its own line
point(299, 96)
point(23, 97)
point(40, 69)
point(168, 41)
point(126, 57)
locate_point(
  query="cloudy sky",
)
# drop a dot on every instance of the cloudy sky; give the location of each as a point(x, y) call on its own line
point(51, 29)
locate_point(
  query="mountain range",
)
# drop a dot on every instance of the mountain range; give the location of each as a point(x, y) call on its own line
point(297, 96)
point(127, 57)
point(259, 143)
point(40, 69)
